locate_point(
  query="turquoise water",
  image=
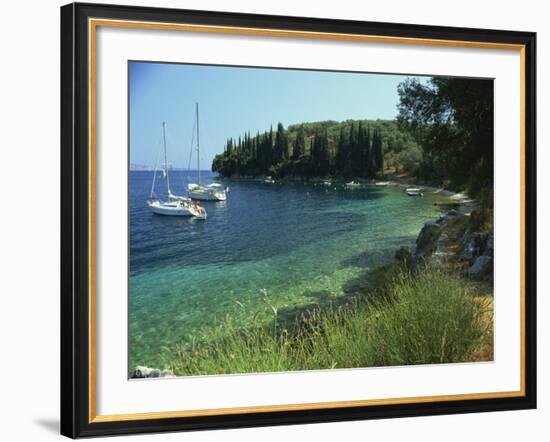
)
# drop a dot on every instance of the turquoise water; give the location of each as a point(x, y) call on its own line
point(304, 244)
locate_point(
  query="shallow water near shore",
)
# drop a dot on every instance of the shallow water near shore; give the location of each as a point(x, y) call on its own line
point(305, 244)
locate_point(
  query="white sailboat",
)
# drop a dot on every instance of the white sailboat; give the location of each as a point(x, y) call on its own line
point(175, 206)
point(198, 191)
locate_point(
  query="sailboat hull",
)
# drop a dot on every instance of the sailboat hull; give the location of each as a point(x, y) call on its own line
point(206, 196)
point(170, 209)
point(204, 193)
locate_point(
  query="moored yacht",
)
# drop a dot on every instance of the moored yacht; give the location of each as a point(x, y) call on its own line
point(176, 205)
point(198, 191)
point(210, 192)
point(176, 208)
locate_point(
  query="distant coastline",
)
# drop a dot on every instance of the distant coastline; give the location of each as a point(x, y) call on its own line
point(145, 168)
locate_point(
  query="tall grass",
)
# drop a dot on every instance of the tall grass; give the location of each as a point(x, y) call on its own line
point(431, 318)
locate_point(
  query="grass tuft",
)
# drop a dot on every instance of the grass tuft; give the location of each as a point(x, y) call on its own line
point(435, 317)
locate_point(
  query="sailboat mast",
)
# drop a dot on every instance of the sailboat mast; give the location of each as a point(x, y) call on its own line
point(165, 156)
point(198, 144)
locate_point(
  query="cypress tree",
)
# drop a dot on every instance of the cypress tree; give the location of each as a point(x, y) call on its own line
point(314, 155)
point(356, 151)
point(281, 144)
point(324, 157)
point(269, 148)
point(341, 154)
point(365, 152)
point(299, 144)
point(377, 152)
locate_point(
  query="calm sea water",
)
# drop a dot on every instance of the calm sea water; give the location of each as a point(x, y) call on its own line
point(304, 244)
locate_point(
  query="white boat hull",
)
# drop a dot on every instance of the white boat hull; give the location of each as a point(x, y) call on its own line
point(175, 208)
point(205, 193)
point(352, 185)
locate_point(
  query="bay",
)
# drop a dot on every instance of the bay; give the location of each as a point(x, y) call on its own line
point(302, 244)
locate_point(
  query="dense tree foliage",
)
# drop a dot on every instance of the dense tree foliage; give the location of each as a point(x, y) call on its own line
point(452, 119)
point(350, 149)
point(443, 134)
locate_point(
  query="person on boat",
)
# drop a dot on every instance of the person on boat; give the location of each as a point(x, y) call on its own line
point(199, 208)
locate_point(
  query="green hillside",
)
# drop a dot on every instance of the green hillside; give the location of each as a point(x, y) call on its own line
point(350, 149)
point(443, 135)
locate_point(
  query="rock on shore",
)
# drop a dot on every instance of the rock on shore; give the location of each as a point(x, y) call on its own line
point(449, 241)
point(146, 372)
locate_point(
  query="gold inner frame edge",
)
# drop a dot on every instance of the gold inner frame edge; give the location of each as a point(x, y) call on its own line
point(93, 24)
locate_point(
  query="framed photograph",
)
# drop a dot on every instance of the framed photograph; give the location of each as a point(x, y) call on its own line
point(274, 220)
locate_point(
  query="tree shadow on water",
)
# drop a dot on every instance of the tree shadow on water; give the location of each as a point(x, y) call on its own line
point(290, 316)
point(363, 194)
point(319, 295)
point(378, 255)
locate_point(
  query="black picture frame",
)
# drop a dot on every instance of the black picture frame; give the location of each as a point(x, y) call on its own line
point(75, 220)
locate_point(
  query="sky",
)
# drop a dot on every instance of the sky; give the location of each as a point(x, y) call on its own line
point(234, 100)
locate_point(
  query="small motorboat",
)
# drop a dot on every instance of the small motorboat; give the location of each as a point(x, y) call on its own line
point(382, 183)
point(269, 180)
point(353, 185)
point(414, 191)
point(327, 183)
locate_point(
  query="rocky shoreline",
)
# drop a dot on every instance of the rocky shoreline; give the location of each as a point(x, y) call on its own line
point(451, 241)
